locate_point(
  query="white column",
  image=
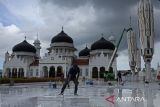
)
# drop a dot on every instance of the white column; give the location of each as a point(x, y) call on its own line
point(17, 71)
point(90, 73)
point(25, 72)
point(55, 71)
point(65, 70)
point(48, 68)
point(11, 72)
point(65, 66)
point(98, 73)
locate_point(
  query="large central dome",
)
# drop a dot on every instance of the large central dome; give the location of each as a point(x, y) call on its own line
point(102, 44)
point(24, 47)
point(62, 37)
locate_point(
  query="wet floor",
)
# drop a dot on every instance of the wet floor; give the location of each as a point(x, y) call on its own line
point(129, 95)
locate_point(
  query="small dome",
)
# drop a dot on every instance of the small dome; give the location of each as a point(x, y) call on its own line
point(62, 37)
point(84, 52)
point(24, 47)
point(102, 44)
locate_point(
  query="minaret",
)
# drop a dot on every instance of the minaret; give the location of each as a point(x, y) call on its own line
point(6, 56)
point(146, 27)
point(37, 46)
point(132, 48)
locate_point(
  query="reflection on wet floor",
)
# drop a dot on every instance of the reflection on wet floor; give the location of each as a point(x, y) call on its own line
point(89, 96)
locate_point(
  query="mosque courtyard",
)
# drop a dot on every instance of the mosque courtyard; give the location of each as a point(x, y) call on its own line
point(131, 94)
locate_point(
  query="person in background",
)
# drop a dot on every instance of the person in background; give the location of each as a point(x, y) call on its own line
point(83, 80)
point(119, 75)
point(73, 75)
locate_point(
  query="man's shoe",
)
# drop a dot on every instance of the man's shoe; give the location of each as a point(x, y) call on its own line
point(75, 94)
point(60, 94)
point(146, 82)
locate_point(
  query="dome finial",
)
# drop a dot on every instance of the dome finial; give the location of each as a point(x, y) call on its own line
point(62, 28)
point(130, 21)
point(37, 35)
point(102, 34)
point(25, 36)
point(86, 46)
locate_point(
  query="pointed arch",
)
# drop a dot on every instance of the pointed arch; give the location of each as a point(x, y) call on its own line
point(45, 71)
point(14, 73)
point(94, 72)
point(102, 71)
point(59, 71)
point(52, 71)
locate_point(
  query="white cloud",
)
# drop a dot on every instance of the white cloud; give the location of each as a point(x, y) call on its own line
point(123, 61)
point(28, 12)
point(79, 19)
point(9, 34)
point(83, 23)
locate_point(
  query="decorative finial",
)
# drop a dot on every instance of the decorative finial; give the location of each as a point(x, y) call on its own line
point(130, 21)
point(25, 37)
point(102, 34)
point(62, 28)
point(37, 35)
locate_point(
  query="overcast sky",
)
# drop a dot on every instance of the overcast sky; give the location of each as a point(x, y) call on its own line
point(83, 20)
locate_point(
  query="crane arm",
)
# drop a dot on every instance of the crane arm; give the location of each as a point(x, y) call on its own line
point(116, 49)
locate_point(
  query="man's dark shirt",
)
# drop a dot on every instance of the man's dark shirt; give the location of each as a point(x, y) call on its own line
point(119, 74)
point(73, 72)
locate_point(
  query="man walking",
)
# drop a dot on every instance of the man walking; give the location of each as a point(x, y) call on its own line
point(73, 75)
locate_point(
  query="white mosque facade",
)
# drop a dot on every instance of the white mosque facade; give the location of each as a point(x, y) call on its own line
point(26, 61)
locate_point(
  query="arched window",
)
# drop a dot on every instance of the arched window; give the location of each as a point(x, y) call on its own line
point(20, 73)
point(14, 73)
point(37, 73)
point(52, 71)
point(45, 71)
point(31, 73)
point(111, 69)
point(94, 72)
point(60, 71)
point(102, 71)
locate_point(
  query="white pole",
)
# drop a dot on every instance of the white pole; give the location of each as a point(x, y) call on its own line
point(146, 27)
point(148, 71)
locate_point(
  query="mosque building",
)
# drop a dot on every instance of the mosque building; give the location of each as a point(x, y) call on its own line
point(26, 61)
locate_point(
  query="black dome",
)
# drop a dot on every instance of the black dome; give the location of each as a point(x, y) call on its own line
point(62, 37)
point(24, 47)
point(84, 52)
point(102, 44)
